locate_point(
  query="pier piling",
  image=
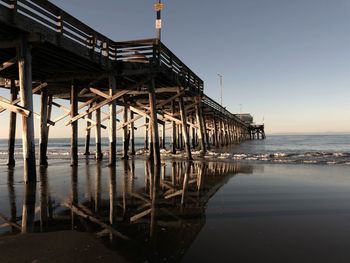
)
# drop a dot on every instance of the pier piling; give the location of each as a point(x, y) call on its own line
point(12, 127)
point(26, 95)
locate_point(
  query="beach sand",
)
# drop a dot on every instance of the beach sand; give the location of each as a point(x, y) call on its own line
point(55, 247)
point(220, 211)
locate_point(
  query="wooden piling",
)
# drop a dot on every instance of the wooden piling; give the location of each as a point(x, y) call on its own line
point(154, 122)
point(200, 123)
point(26, 94)
point(193, 133)
point(125, 131)
point(184, 128)
point(163, 136)
point(180, 137)
point(112, 122)
point(216, 134)
point(49, 112)
point(12, 129)
point(43, 127)
point(74, 125)
point(98, 154)
point(146, 140)
point(173, 124)
point(88, 134)
point(132, 134)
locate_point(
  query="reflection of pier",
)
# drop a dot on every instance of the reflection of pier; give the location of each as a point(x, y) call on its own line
point(45, 51)
point(158, 210)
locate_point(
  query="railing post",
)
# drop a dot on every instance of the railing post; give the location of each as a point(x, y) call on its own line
point(93, 46)
point(159, 49)
point(59, 28)
point(171, 61)
point(156, 53)
point(14, 5)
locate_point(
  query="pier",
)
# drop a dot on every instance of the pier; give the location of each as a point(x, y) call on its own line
point(47, 52)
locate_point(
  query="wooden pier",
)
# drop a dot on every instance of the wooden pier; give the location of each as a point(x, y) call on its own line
point(47, 52)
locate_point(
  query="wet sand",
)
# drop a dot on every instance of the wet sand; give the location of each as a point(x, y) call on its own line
point(285, 213)
point(215, 212)
point(55, 247)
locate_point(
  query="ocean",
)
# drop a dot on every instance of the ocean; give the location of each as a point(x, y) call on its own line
point(298, 149)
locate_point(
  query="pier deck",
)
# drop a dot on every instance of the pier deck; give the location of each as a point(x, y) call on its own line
point(46, 51)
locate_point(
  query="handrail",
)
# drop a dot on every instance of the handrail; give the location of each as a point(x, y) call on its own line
point(216, 106)
point(156, 53)
point(63, 24)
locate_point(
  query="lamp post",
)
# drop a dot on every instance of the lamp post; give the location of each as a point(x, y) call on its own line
point(220, 77)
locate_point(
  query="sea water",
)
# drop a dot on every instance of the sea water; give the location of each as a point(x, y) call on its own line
point(308, 149)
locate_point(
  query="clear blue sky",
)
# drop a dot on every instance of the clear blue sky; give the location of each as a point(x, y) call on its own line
point(285, 61)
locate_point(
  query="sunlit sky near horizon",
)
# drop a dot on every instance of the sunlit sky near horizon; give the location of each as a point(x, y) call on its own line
point(286, 62)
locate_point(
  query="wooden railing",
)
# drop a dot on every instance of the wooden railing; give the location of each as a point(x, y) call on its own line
point(63, 24)
point(101, 47)
point(153, 52)
point(217, 107)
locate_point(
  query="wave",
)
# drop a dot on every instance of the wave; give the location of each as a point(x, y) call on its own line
point(308, 157)
point(330, 158)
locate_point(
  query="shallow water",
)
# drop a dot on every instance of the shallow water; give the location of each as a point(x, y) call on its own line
point(220, 211)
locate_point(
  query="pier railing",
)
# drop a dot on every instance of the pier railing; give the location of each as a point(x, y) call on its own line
point(100, 47)
point(156, 53)
point(217, 107)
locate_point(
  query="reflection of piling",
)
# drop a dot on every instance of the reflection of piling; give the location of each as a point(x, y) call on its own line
point(28, 211)
point(12, 197)
point(44, 198)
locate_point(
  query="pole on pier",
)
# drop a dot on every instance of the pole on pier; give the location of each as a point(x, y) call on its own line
point(126, 131)
point(43, 127)
point(154, 123)
point(88, 133)
point(132, 134)
point(74, 125)
point(12, 130)
point(112, 122)
point(173, 124)
point(184, 128)
point(26, 94)
point(98, 154)
point(200, 123)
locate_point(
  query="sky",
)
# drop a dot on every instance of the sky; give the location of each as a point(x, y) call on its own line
point(285, 62)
